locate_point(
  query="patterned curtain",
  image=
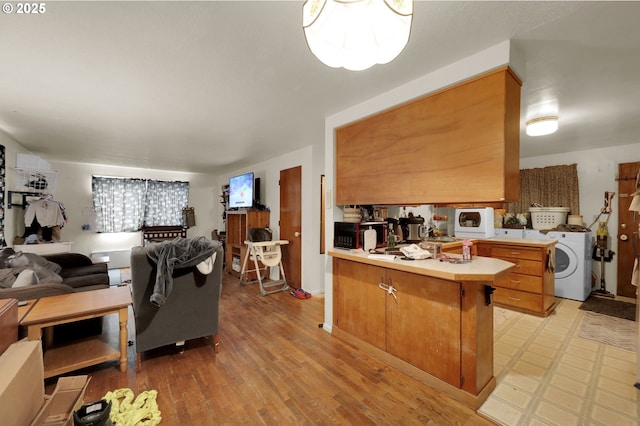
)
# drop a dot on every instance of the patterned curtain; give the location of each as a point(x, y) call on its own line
point(554, 186)
point(125, 204)
point(164, 202)
point(119, 203)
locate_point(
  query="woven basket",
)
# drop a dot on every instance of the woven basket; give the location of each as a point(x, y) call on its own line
point(351, 214)
point(548, 217)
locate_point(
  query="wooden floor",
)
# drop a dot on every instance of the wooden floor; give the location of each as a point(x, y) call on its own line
point(275, 366)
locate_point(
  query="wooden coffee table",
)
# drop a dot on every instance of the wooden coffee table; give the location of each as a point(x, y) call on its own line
point(66, 308)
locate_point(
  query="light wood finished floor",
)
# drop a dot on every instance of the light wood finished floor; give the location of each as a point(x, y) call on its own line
point(275, 366)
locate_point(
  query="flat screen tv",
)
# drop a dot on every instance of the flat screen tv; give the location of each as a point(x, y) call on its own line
point(241, 191)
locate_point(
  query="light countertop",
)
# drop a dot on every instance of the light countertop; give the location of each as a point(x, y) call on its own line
point(479, 269)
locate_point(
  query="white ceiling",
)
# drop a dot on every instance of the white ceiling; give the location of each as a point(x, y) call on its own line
point(212, 86)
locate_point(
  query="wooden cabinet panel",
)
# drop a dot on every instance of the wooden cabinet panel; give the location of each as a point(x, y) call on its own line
point(424, 324)
point(516, 252)
point(438, 330)
point(460, 144)
point(8, 323)
point(521, 300)
point(527, 267)
point(531, 287)
point(521, 282)
point(359, 305)
point(238, 223)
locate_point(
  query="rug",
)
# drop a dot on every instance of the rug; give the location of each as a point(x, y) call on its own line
point(611, 307)
point(609, 330)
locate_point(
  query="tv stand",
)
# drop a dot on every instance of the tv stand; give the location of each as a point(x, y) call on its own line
point(238, 223)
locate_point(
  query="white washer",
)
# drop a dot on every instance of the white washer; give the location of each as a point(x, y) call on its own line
point(573, 262)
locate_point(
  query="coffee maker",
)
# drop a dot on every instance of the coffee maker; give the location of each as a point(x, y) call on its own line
point(411, 228)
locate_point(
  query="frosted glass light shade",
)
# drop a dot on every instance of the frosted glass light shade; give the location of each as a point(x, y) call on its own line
point(542, 126)
point(356, 34)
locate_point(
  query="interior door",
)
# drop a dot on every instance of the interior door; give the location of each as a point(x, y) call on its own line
point(291, 223)
point(627, 228)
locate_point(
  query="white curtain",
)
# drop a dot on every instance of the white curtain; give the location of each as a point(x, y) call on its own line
point(127, 204)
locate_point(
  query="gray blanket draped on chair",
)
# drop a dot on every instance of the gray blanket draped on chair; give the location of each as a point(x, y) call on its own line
point(177, 253)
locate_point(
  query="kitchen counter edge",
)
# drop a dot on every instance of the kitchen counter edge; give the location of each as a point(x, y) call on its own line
point(479, 269)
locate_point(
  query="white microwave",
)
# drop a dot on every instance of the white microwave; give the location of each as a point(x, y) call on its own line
point(474, 223)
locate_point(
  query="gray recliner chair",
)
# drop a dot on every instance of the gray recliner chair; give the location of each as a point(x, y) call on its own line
point(191, 309)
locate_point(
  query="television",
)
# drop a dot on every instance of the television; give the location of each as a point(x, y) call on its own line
point(241, 191)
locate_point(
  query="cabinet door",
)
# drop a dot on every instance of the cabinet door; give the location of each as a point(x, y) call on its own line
point(358, 302)
point(424, 324)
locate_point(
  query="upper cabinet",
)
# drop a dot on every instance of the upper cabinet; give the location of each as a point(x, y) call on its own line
point(458, 145)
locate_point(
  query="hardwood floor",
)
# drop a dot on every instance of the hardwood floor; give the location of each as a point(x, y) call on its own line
point(275, 366)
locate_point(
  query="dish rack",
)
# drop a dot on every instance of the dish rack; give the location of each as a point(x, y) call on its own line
point(548, 217)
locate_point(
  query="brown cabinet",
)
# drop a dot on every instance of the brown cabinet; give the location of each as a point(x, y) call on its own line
point(458, 145)
point(8, 323)
point(423, 324)
point(433, 324)
point(238, 223)
point(531, 287)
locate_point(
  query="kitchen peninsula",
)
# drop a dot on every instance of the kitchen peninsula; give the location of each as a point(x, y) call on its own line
point(430, 319)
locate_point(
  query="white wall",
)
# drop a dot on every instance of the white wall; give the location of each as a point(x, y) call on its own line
point(74, 191)
point(311, 160)
point(597, 171)
point(481, 62)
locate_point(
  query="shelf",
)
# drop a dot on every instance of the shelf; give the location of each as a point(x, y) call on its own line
point(78, 354)
point(24, 194)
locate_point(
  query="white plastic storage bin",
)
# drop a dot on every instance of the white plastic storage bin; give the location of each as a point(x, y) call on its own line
point(32, 180)
point(548, 217)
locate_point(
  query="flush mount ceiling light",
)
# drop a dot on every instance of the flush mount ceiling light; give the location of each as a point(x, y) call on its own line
point(356, 34)
point(541, 126)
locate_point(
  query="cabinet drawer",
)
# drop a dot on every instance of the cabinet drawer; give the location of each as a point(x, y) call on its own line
point(528, 267)
point(519, 299)
point(521, 282)
point(517, 252)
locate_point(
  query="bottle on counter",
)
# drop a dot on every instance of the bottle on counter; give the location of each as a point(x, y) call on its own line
point(466, 250)
point(391, 237)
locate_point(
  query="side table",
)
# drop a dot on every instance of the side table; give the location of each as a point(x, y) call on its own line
point(66, 308)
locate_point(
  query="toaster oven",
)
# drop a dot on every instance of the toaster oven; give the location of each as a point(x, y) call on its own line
point(349, 235)
point(474, 223)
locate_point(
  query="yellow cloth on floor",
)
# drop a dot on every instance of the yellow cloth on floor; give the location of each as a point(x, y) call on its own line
point(125, 411)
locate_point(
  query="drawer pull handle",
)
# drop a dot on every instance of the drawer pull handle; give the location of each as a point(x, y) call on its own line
point(515, 253)
point(513, 298)
point(515, 281)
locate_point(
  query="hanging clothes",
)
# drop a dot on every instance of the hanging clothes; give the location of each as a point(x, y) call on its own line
point(47, 212)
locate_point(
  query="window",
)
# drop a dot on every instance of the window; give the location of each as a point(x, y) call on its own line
point(127, 204)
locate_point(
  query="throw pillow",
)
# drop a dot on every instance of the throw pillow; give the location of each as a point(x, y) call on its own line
point(25, 278)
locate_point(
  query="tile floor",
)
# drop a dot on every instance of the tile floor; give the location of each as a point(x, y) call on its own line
point(547, 375)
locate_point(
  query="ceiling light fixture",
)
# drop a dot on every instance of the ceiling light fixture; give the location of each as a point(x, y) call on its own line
point(541, 126)
point(356, 34)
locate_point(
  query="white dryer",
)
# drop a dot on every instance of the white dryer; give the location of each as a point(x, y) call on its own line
point(573, 262)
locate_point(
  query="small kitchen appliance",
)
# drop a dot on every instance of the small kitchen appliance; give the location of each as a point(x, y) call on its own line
point(349, 235)
point(474, 223)
point(411, 228)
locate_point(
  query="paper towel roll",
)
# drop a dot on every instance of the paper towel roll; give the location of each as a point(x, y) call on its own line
point(370, 237)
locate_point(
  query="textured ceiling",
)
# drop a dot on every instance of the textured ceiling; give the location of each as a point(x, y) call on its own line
point(211, 86)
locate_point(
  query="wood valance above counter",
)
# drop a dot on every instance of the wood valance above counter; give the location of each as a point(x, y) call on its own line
point(460, 144)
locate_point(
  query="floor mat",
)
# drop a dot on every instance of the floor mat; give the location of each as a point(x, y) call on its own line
point(609, 330)
point(611, 307)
